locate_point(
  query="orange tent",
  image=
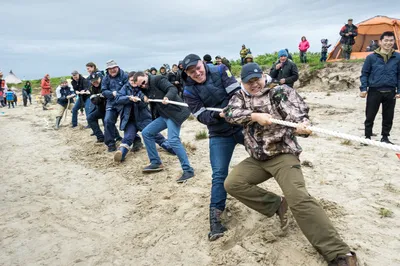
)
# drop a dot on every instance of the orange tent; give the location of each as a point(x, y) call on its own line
point(368, 30)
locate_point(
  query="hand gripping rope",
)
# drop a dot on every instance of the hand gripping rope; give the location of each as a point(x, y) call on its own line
point(337, 134)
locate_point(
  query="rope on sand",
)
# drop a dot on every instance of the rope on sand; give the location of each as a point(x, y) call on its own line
point(337, 134)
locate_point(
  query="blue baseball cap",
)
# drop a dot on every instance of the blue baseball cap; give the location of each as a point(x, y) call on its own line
point(249, 71)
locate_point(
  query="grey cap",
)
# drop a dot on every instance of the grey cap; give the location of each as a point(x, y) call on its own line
point(249, 71)
point(73, 73)
point(111, 64)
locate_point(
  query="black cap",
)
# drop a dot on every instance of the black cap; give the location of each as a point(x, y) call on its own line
point(207, 58)
point(218, 57)
point(249, 71)
point(190, 60)
point(94, 76)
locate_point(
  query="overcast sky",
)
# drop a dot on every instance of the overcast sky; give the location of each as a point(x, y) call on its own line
point(56, 37)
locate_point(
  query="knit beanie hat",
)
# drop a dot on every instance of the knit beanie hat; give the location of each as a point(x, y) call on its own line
point(282, 53)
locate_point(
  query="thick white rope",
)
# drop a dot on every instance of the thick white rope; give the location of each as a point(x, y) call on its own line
point(337, 134)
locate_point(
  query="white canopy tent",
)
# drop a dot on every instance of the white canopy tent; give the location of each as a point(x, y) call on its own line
point(11, 78)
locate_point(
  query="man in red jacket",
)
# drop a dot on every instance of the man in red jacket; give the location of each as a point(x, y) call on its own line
point(46, 91)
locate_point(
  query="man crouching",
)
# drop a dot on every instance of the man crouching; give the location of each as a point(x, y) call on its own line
point(274, 152)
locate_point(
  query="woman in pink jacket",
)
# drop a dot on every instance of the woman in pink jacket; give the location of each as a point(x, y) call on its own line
point(303, 47)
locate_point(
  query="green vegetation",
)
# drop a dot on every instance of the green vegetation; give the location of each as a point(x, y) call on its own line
point(384, 213)
point(267, 60)
point(201, 135)
point(36, 84)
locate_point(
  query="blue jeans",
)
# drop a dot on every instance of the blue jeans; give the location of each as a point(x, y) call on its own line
point(110, 130)
point(149, 134)
point(130, 133)
point(76, 108)
point(221, 150)
point(93, 121)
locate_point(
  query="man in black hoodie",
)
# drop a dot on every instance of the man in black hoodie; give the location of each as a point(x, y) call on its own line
point(170, 117)
point(81, 88)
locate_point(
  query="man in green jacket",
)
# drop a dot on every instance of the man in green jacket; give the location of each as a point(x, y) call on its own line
point(243, 53)
point(284, 70)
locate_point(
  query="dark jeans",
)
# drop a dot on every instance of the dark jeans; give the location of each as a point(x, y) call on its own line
point(76, 108)
point(221, 150)
point(10, 103)
point(131, 130)
point(323, 56)
point(47, 99)
point(374, 100)
point(25, 97)
point(93, 121)
point(110, 130)
point(303, 57)
point(242, 60)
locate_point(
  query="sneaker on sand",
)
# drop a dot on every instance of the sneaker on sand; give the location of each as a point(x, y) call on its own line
point(363, 144)
point(152, 168)
point(385, 139)
point(216, 228)
point(345, 260)
point(112, 148)
point(185, 176)
point(137, 145)
point(282, 214)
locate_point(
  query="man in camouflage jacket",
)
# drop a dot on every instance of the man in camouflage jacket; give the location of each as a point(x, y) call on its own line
point(274, 152)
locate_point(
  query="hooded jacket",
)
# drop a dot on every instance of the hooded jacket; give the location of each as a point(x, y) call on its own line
point(141, 111)
point(281, 102)
point(158, 88)
point(304, 45)
point(288, 71)
point(45, 85)
point(376, 74)
point(62, 93)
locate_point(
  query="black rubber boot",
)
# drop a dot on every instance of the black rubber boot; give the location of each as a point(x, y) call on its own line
point(58, 119)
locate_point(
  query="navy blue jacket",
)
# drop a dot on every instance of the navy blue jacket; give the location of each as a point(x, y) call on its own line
point(110, 84)
point(378, 75)
point(160, 87)
point(62, 93)
point(140, 109)
point(215, 92)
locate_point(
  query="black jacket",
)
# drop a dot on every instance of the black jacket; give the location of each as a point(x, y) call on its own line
point(348, 39)
point(172, 77)
point(81, 85)
point(289, 72)
point(159, 87)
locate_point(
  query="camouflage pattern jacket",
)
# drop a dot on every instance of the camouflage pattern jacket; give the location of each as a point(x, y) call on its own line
point(281, 102)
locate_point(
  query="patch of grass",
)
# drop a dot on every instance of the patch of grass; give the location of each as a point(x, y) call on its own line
point(385, 213)
point(189, 147)
point(316, 66)
point(391, 188)
point(201, 135)
point(328, 93)
point(346, 142)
